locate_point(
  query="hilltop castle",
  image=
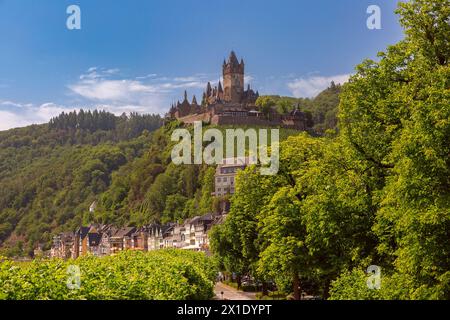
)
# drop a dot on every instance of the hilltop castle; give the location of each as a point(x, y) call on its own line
point(231, 104)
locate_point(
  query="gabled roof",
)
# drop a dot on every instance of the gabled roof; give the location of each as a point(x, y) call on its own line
point(207, 217)
point(94, 239)
point(167, 228)
point(124, 232)
point(83, 231)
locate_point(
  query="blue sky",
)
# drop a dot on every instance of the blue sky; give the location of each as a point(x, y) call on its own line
point(140, 55)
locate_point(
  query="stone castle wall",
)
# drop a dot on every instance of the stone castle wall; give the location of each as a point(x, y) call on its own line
point(253, 121)
point(205, 117)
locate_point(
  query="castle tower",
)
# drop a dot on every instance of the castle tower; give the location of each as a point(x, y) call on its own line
point(233, 79)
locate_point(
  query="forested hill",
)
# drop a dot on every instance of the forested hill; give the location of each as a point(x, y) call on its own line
point(50, 174)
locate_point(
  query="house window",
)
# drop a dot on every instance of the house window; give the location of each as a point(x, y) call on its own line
point(225, 179)
point(219, 180)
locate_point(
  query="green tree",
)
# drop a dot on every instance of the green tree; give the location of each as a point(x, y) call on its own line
point(265, 105)
point(281, 223)
point(395, 113)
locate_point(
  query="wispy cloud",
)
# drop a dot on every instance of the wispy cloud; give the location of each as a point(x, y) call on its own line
point(150, 93)
point(312, 85)
point(98, 73)
point(150, 75)
point(15, 104)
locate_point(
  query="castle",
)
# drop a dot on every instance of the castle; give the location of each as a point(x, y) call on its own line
point(231, 104)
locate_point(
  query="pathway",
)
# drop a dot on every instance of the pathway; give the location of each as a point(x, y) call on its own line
point(230, 293)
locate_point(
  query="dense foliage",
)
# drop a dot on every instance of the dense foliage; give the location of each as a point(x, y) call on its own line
point(153, 189)
point(131, 275)
point(49, 176)
point(377, 194)
point(321, 111)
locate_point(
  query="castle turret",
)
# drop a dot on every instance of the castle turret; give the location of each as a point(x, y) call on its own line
point(233, 79)
point(208, 89)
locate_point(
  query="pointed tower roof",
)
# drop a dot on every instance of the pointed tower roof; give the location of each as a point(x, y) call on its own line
point(220, 87)
point(233, 65)
point(233, 59)
point(185, 95)
point(194, 100)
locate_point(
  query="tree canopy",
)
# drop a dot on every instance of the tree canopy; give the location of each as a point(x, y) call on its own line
point(378, 193)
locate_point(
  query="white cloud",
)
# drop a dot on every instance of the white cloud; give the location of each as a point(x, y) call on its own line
point(112, 71)
point(11, 120)
point(149, 94)
point(248, 79)
point(186, 79)
point(150, 75)
point(110, 89)
point(313, 85)
point(14, 114)
point(15, 104)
